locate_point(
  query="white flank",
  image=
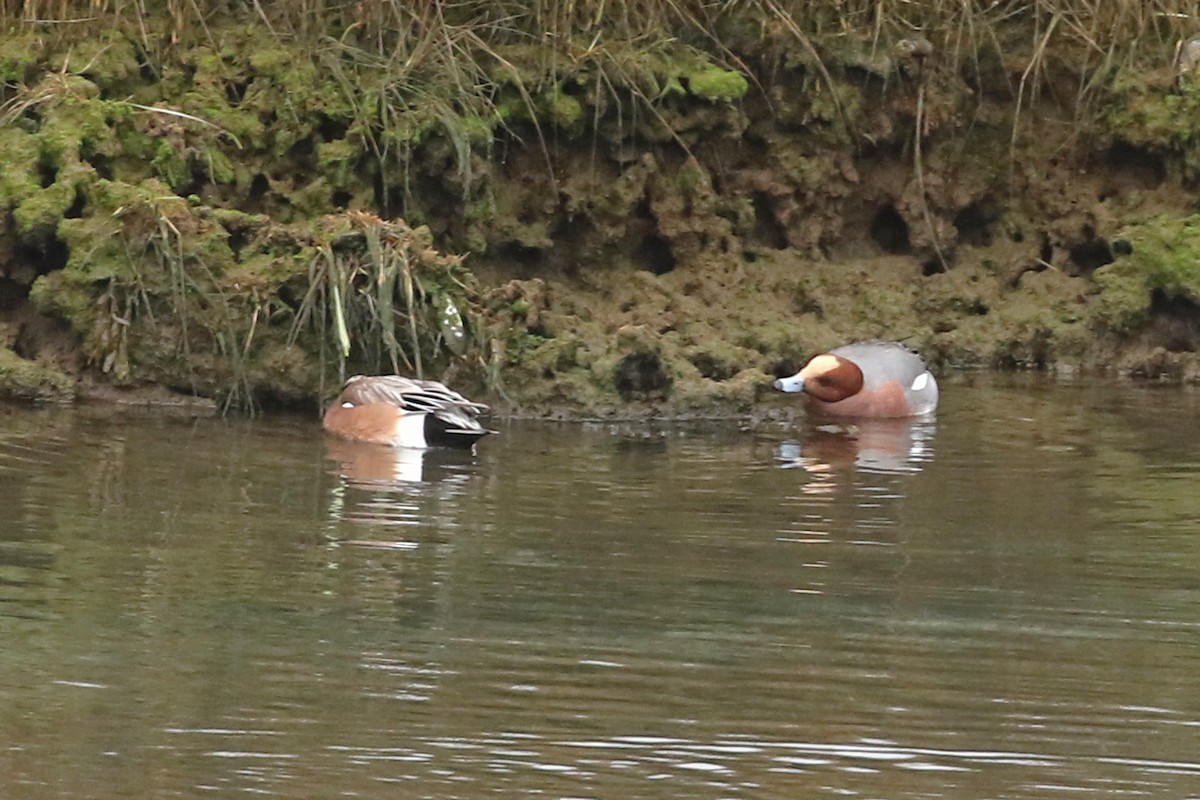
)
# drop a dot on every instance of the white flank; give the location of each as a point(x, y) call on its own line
point(410, 431)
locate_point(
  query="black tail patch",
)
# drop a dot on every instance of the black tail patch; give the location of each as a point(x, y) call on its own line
point(439, 433)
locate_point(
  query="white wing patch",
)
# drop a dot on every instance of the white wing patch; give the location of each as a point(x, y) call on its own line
point(921, 382)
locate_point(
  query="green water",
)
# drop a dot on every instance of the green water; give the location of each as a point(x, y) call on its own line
point(1004, 603)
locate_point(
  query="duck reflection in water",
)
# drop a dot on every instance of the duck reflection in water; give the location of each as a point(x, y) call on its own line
point(373, 464)
point(389, 489)
point(870, 445)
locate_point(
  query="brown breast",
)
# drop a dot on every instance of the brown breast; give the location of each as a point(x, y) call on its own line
point(373, 422)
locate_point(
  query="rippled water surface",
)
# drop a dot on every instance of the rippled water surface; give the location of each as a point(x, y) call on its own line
point(1003, 603)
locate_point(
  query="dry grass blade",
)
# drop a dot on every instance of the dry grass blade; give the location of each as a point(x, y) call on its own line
point(410, 308)
point(190, 117)
point(1034, 65)
point(806, 43)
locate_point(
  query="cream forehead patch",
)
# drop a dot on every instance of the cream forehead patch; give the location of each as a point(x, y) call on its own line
point(820, 365)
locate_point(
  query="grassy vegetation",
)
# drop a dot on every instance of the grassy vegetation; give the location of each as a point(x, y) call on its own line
point(382, 287)
point(452, 64)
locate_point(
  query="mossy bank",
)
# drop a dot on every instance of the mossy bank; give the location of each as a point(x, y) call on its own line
point(651, 211)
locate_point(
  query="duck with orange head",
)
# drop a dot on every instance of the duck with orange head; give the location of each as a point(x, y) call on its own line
point(866, 379)
point(404, 412)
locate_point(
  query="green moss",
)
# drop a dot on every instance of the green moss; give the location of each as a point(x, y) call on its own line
point(511, 106)
point(107, 58)
point(477, 130)
point(40, 212)
point(170, 167)
point(18, 166)
point(27, 380)
point(244, 123)
point(717, 360)
point(565, 110)
point(104, 248)
point(1151, 117)
point(312, 199)
point(837, 105)
point(1164, 257)
point(554, 107)
point(273, 60)
point(18, 55)
point(1124, 300)
point(97, 254)
point(692, 178)
point(217, 165)
point(74, 125)
point(411, 128)
point(338, 157)
point(715, 83)
point(704, 397)
point(807, 172)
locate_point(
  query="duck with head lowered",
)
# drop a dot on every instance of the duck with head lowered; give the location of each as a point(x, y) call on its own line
point(866, 379)
point(404, 412)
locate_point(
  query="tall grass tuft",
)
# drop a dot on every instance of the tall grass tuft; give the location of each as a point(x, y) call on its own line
point(380, 298)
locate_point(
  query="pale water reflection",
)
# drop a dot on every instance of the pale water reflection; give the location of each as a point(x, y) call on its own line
point(1003, 602)
point(882, 445)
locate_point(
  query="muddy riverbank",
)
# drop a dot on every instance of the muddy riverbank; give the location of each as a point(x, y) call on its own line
point(656, 214)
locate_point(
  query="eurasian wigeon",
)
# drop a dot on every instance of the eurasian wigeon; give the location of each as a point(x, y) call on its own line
point(866, 379)
point(404, 412)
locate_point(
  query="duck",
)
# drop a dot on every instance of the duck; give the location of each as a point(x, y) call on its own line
point(866, 379)
point(404, 412)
